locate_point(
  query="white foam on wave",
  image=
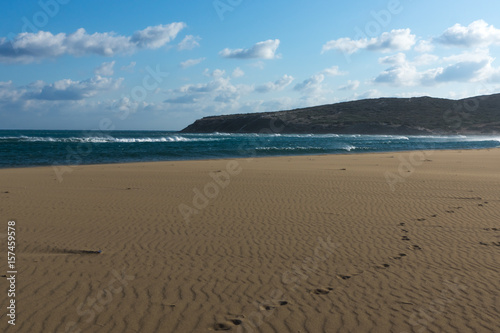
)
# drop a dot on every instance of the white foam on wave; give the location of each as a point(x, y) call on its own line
point(349, 147)
point(109, 139)
point(289, 148)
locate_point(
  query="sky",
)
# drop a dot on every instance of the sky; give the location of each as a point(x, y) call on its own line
point(160, 65)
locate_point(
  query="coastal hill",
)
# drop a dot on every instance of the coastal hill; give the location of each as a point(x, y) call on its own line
point(405, 116)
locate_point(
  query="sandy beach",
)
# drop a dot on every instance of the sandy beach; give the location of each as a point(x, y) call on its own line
point(389, 242)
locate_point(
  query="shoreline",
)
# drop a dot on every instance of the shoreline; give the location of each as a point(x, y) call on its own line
point(243, 158)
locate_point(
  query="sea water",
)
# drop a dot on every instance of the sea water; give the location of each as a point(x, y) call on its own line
point(20, 148)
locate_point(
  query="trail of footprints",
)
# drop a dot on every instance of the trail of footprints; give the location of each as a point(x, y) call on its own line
point(321, 291)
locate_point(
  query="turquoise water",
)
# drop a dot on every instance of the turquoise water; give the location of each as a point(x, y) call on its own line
point(37, 148)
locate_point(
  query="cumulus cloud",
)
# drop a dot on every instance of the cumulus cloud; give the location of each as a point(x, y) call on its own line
point(463, 71)
point(261, 50)
point(218, 90)
point(215, 73)
point(351, 85)
point(129, 68)
point(28, 47)
point(189, 42)
point(191, 62)
point(460, 68)
point(105, 69)
point(425, 59)
point(477, 34)
point(74, 90)
point(395, 40)
point(238, 72)
point(277, 85)
point(372, 93)
point(59, 91)
point(400, 73)
point(424, 46)
point(333, 71)
point(312, 84)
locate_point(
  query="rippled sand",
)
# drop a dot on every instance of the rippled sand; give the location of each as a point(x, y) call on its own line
point(397, 242)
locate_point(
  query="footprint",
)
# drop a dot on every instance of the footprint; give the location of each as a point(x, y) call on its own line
point(383, 266)
point(420, 220)
point(282, 303)
point(400, 256)
point(405, 238)
point(344, 277)
point(450, 211)
point(414, 247)
point(434, 215)
point(222, 327)
point(402, 224)
point(267, 307)
point(404, 230)
point(321, 291)
point(236, 322)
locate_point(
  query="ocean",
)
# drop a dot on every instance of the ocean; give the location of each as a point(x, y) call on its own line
point(27, 148)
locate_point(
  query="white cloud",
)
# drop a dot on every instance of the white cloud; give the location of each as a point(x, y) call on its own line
point(351, 85)
point(189, 42)
point(75, 90)
point(333, 71)
point(261, 50)
point(191, 62)
point(425, 59)
point(277, 85)
point(157, 36)
point(395, 40)
point(424, 46)
point(28, 47)
point(219, 90)
point(105, 69)
point(215, 73)
point(467, 67)
point(62, 90)
point(476, 34)
point(466, 71)
point(129, 68)
point(238, 72)
point(400, 73)
point(372, 93)
point(313, 84)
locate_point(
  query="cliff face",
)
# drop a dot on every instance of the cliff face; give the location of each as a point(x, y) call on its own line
point(410, 116)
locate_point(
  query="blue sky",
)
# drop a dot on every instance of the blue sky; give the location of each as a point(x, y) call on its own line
point(74, 64)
